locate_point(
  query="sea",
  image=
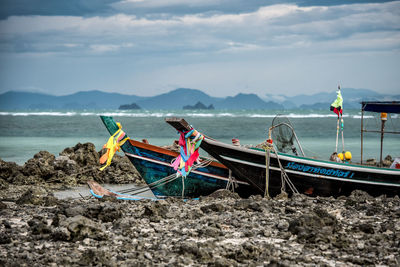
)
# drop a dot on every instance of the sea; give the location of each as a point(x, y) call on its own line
point(25, 133)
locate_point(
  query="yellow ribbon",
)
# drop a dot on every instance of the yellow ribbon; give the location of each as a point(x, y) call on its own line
point(112, 146)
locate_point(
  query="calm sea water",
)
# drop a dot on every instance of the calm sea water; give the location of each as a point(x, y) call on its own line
point(22, 134)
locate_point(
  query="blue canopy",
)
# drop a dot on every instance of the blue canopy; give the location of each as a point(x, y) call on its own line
point(381, 106)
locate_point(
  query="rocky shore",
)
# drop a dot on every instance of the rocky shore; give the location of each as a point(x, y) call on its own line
point(37, 229)
point(74, 165)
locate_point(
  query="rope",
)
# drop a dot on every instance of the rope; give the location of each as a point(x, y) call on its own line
point(284, 177)
point(232, 183)
point(267, 147)
point(152, 185)
point(183, 187)
point(165, 180)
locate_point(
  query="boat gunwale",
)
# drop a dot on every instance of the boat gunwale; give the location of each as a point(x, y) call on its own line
point(351, 180)
point(166, 151)
point(197, 171)
point(322, 163)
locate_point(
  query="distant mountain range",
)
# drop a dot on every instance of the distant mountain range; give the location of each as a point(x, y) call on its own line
point(178, 98)
point(351, 99)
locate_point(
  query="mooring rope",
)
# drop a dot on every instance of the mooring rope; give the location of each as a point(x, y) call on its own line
point(232, 182)
point(164, 180)
point(268, 146)
point(152, 185)
point(284, 177)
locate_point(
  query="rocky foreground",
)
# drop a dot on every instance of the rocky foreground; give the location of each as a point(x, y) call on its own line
point(74, 165)
point(37, 229)
point(219, 230)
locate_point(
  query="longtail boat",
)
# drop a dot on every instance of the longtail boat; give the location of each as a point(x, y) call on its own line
point(270, 171)
point(154, 165)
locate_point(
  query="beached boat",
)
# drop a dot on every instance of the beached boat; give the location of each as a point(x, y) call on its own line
point(154, 165)
point(304, 175)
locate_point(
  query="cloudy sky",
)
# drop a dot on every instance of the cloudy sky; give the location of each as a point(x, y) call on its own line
point(223, 47)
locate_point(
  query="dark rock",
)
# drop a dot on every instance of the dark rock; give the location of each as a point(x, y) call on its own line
point(373, 210)
point(75, 165)
point(282, 225)
point(93, 210)
point(189, 247)
point(289, 210)
point(65, 164)
point(3, 184)
point(4, 238)
point(3, 206)
point(366, 228)
point(39, 226)
point(248, 204)
point(61, 233)
point(210, 231)
point(223, 193)
point(82, 154)
point(313, 227)
point(8, 172)
point(75, 210)
point(129, 106)
point(95, 257)
point(81, 227)
point(37, 196)
point(109, 199)
point(327, 218)
point(6, 224)
point(216, 207)
point(41, 165)
point(156, 208)
point(57, 219)
point(199, 105)
point(360, 196)
point(109, 213)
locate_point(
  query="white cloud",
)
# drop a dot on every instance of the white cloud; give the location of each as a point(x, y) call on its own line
point(102, 48)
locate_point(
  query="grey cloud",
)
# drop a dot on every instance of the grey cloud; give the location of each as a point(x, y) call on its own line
point(55, 7)
point(146, 8)
point(269, 27)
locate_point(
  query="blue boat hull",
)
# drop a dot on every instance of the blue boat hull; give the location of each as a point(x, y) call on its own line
point(154, 163)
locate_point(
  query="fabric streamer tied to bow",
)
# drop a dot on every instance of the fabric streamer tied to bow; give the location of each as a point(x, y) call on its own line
point(189, 143)
point(113, 145)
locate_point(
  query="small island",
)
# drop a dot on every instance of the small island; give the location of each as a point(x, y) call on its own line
point(199, 105)
point(129, 106)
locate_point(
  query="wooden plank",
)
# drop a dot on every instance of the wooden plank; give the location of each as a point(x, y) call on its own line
point(178, 123)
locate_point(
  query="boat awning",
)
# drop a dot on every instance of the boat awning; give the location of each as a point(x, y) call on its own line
point(381, 106)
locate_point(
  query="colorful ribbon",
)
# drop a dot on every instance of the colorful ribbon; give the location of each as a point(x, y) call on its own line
point(113, 145)
point(189, 153)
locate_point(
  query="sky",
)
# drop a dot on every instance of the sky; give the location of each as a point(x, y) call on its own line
point(222, 47)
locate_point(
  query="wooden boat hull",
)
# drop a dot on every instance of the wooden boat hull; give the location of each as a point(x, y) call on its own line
point(310, 176)
point(154, 163)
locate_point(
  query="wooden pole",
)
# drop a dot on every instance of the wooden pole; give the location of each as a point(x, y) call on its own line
point(383, 119)
point(337, 133)
point(362, 130)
